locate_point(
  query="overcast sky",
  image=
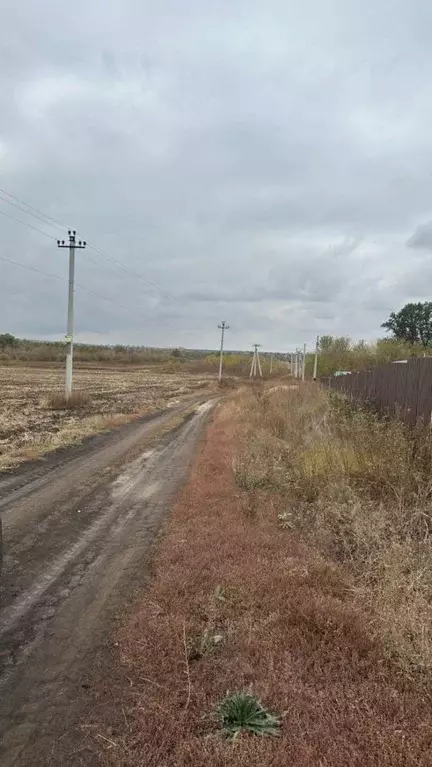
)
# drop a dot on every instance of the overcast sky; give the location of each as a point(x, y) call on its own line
point(266, 163)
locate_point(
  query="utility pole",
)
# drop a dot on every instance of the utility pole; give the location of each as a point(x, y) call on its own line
point(304, 362)
point(271, 364)
point(296, 364)
point(315, 367)
point(223, 327)
point(256, 364)
point(72, 245)
point(252, 373)
point(258, 360)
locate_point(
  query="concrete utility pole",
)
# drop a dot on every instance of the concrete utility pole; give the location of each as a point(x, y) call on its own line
point(271, 364)
point(296, 364)
point(252, 373)
point(258, 360)
point(223, 328)
point(72, 245)
point(304, 362)
point(256, 364)
point(315, 367)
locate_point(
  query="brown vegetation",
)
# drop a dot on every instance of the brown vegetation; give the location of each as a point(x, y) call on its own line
point(275, 576)
point(359, 488)
point(58, 401)
point(19, 351)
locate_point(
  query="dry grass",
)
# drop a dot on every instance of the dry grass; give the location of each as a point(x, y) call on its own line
point(58, 401)
point(360, 490)
point(33, 419)
point(290, 630)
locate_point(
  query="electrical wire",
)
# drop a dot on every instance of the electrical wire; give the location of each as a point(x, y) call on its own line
point(24, 223)
point(63, 279)
point(132, 273)
point(32, 268)
point(48, 274)
point(82, 287)
point(30, 226)
point(40, 218)
point(40, 215)
point(39, 212)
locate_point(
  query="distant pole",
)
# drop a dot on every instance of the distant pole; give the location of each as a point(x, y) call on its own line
point(223, 327)
point(271, 364)
point(258, 361)
point(304, 362)
point(252, 370)
point(73, 245)
point(315, 367)
point(256, 364)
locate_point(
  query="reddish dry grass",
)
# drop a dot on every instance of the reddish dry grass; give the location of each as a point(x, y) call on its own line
point(291, 632)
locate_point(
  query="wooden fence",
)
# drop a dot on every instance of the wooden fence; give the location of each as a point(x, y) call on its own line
point(402, 388)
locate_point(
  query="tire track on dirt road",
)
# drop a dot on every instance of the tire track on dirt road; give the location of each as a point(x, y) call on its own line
point(78, 542)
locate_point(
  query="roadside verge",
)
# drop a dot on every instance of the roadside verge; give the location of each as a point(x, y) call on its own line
point(239, 603)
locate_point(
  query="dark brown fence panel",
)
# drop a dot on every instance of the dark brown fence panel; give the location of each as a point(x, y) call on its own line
point(401, 389)
point(404, 388)
point(413, 373)
point(391, 390)
point(424, 402)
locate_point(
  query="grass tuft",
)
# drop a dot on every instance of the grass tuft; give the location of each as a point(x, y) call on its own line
point(243, 712)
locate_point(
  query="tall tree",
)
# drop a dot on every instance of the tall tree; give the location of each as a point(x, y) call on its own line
point(413, 323)
point(6, 339)
point(326, 343)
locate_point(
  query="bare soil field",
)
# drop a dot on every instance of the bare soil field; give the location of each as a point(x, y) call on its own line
point(29, 427)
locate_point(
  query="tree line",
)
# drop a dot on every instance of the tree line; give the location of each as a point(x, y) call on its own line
point(410, 329)
point(411, 336)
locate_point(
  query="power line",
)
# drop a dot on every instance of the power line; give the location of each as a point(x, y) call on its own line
point(105, 267)
point(31, 268)
point(78, 285)
point(132, 273)
point(111, 271)
point(59, 225)
point(62, 279)
point(39, 212)
point(40, 218)
point(51, 237)
point(24, 223)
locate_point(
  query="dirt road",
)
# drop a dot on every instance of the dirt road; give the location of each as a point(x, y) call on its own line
point(78, 536)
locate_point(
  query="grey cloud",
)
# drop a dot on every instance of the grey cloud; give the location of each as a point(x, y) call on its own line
point(421, 237)
point(263, 163)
